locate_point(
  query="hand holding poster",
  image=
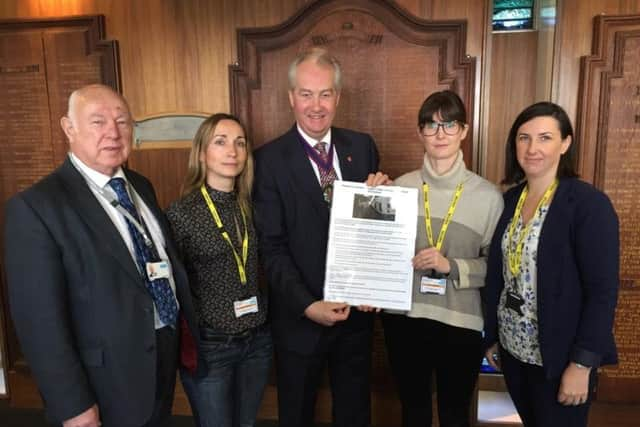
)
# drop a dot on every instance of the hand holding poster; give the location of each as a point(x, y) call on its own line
point(372, 236)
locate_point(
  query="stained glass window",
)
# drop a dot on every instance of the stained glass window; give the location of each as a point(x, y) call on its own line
point(511, 15)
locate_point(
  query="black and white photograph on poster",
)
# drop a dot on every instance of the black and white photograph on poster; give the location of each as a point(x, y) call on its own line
point(373, 207)
point(372, 236)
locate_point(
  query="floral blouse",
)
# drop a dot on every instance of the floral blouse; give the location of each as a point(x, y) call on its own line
point(519, 334)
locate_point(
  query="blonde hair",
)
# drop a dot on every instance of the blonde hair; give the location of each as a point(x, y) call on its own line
point(197, 172)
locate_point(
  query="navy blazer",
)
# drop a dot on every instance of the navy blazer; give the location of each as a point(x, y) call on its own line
point(82, 312)
point(292, 220)
point(577, 284)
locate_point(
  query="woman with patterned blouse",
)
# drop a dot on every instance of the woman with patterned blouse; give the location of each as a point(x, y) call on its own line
point(213, 227)
point(552, 275)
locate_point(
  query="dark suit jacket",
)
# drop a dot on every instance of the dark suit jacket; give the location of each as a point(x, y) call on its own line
point(578, 256)
point(292, 220)
point(82, 312)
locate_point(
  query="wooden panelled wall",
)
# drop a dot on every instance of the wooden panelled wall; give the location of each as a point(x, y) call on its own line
point(175, 54)
point(512, 84)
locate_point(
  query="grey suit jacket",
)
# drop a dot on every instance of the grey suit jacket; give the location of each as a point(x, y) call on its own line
point(83, 316)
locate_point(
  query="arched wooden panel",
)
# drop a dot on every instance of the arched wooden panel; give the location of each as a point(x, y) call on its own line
point(391, 62)
point(608, 134)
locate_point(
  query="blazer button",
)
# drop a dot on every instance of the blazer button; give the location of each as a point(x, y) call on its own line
point(150, 348)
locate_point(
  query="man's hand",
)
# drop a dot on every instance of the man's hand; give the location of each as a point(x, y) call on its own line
point(327, 313)
point(431, 259)
point(378, 178)
point(574, 385)
point(368, 308)
point(89, 418)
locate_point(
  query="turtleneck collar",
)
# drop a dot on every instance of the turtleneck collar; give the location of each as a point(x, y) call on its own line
point(449, 179)
point(221, 196)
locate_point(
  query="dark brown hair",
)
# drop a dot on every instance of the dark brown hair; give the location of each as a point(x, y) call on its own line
point(447, 103)
point(513, 172)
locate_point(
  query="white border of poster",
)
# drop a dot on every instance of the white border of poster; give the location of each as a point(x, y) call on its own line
point(372, 236)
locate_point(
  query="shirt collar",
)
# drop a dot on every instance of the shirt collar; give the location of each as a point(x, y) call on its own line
point(312, 142)
point(100, 179)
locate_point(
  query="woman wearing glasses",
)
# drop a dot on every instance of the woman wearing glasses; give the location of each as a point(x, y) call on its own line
point(213, 227)
point(552, 275)
point(442, 333)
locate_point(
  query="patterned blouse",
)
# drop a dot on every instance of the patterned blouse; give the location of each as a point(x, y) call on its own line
point(519, 334)
point(210, 263)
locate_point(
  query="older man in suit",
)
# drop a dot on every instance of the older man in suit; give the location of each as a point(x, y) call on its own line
point(294, 177)
point(95, 286)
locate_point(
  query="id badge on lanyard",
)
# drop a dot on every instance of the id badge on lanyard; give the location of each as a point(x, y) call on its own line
point(514, 301)
point(431, 285)
point(249, 305)
point(158, 270)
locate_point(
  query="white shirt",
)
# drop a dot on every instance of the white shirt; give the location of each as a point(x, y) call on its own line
point(326, 139)
point(102, 181)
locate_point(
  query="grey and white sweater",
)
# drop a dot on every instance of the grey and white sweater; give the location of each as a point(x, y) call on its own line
point(465, 245)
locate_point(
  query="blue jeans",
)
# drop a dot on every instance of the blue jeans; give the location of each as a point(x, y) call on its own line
point(237, 370)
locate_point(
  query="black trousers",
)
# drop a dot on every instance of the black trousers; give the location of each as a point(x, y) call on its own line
point(419, 347)
point(166, 369)
point(536, 397)
point(348, 355)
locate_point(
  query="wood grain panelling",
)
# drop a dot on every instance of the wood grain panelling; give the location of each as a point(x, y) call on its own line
point(609, 137)
point(174, 54)
point(573, 41)
point(513, 87)
point(165, 167)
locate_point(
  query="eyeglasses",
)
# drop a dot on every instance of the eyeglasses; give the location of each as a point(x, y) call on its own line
point(449, 128)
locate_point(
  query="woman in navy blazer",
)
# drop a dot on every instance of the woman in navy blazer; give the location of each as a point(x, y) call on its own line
point(552, 278)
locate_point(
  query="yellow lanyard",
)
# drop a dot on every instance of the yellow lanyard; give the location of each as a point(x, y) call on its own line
point(516, 258)
point(242, 263)
point(447, 219)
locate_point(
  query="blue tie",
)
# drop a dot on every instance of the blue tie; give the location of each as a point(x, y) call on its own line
point(159, 289)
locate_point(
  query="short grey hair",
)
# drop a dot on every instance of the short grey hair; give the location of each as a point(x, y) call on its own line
point(319, 56)
point(87, 91)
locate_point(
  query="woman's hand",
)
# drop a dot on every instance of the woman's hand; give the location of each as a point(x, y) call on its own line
point(493, 357)
point(378, 178)
point(431, 259)
point(574, 385)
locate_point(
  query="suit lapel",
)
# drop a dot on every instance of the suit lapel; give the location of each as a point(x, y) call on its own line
point(552, 237)
point(95, 217)
point(343, 147)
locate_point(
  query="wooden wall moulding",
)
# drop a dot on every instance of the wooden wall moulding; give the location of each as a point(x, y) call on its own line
point(391, 62)
point(162, 143)
point(41, 62)
point(608, 131)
